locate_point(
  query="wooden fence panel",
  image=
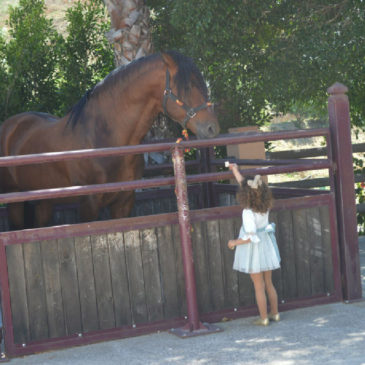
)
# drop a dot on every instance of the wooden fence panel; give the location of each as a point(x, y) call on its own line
point(226, 230)
point(327, 248)
point(86, 279)
point(81, 284)
point(151, 272)
point(166, 251)
point(135, 277)
point(302, 253)
point(53, 291)
point(69, 285)
point(317, 250)
point(18, 293)
point(120, 284)
point(103, 285)
point(200, 240)
point(246, 293)
point(277, 274)
point(35, 285)
point(285, 239)
point(215, 267)
point(180, 276)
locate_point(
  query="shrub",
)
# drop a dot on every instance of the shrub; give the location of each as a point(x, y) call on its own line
point(45, 71)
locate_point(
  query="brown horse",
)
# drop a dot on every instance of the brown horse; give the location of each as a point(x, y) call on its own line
point(118, 111)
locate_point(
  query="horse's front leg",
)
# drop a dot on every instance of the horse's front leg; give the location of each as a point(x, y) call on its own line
point(122, 205)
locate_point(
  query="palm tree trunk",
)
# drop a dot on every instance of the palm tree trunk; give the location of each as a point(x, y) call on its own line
point(130, 31)
point(130, 35)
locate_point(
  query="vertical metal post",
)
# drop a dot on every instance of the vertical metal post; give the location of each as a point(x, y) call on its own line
point(194, 326)
point(8, 340)
point(340, 130)
point(184, 222)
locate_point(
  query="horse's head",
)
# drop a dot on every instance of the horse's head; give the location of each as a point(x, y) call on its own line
point(186, 97)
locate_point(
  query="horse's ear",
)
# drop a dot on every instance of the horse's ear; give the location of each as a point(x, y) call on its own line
point(169, 61)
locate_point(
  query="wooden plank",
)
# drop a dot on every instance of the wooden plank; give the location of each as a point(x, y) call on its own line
point(86, 280)
point(199, 243)
point(285, 239)
point(35, 291)
point(314, 226)
point(327, 249)
point(167, 256)
point(246, 291)
point(302, 252)
point(277, 274)
point(18, 293)
point(69, 285)
point(119, 275)
point(52, 283)
point(231, 296)
point(215, 266)
point(103, 285)
point(151, 275)
point(135, 275)
point(179, 265)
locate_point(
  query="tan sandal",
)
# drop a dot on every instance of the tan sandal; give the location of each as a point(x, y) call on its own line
point(261, 322)
point(274, 317)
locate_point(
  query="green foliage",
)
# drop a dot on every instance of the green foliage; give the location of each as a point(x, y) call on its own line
point(258, 53)
point(360, 194)
point(220, 36)
point(43, 71)
point(29, 60)
point(86, 55)
point(3, 77)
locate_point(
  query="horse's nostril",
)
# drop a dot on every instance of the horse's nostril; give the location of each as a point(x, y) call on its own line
point(212, 130)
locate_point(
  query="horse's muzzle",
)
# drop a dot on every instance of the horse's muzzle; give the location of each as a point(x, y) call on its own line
point(207, 129)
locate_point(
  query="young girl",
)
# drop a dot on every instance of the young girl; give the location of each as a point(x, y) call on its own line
point(256, 249)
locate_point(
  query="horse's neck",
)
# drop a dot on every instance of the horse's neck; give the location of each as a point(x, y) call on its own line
point(125, 118)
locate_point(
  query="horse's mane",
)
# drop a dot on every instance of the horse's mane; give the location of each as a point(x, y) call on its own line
point(187, 68)
point(183, 79)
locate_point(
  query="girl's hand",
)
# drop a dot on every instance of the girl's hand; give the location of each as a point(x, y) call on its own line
point(232, 244)
point(236, 172)
point(233, 166)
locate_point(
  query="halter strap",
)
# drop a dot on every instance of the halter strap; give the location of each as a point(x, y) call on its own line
point(190, 112)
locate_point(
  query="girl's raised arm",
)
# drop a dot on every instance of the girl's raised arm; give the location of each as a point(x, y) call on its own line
point(234, 168)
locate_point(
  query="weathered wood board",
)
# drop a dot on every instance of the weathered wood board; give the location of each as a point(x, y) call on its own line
point(81, 284)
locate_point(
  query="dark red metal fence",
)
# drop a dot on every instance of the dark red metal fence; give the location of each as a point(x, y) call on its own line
point(340, 228)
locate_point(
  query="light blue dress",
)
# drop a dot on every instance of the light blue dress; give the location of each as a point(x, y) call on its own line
point(262, 253)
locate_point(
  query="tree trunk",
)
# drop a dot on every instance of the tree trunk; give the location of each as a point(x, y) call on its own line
point(130, 32)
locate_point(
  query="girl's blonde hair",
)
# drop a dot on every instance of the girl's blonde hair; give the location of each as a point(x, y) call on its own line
point(258, 199)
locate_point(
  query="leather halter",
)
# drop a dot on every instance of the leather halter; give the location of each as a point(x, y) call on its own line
point(190, 112)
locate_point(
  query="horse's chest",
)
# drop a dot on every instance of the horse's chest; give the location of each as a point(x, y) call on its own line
point(123, 169)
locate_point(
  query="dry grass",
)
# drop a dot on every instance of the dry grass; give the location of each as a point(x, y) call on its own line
point(290, 122)
point(55, 9)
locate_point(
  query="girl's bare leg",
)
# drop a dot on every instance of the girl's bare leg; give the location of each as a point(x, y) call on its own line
point(271, 292)
point(259, 284)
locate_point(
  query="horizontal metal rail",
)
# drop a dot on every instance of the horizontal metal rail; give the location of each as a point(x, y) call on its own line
point(158, 147)
point(63, 192)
